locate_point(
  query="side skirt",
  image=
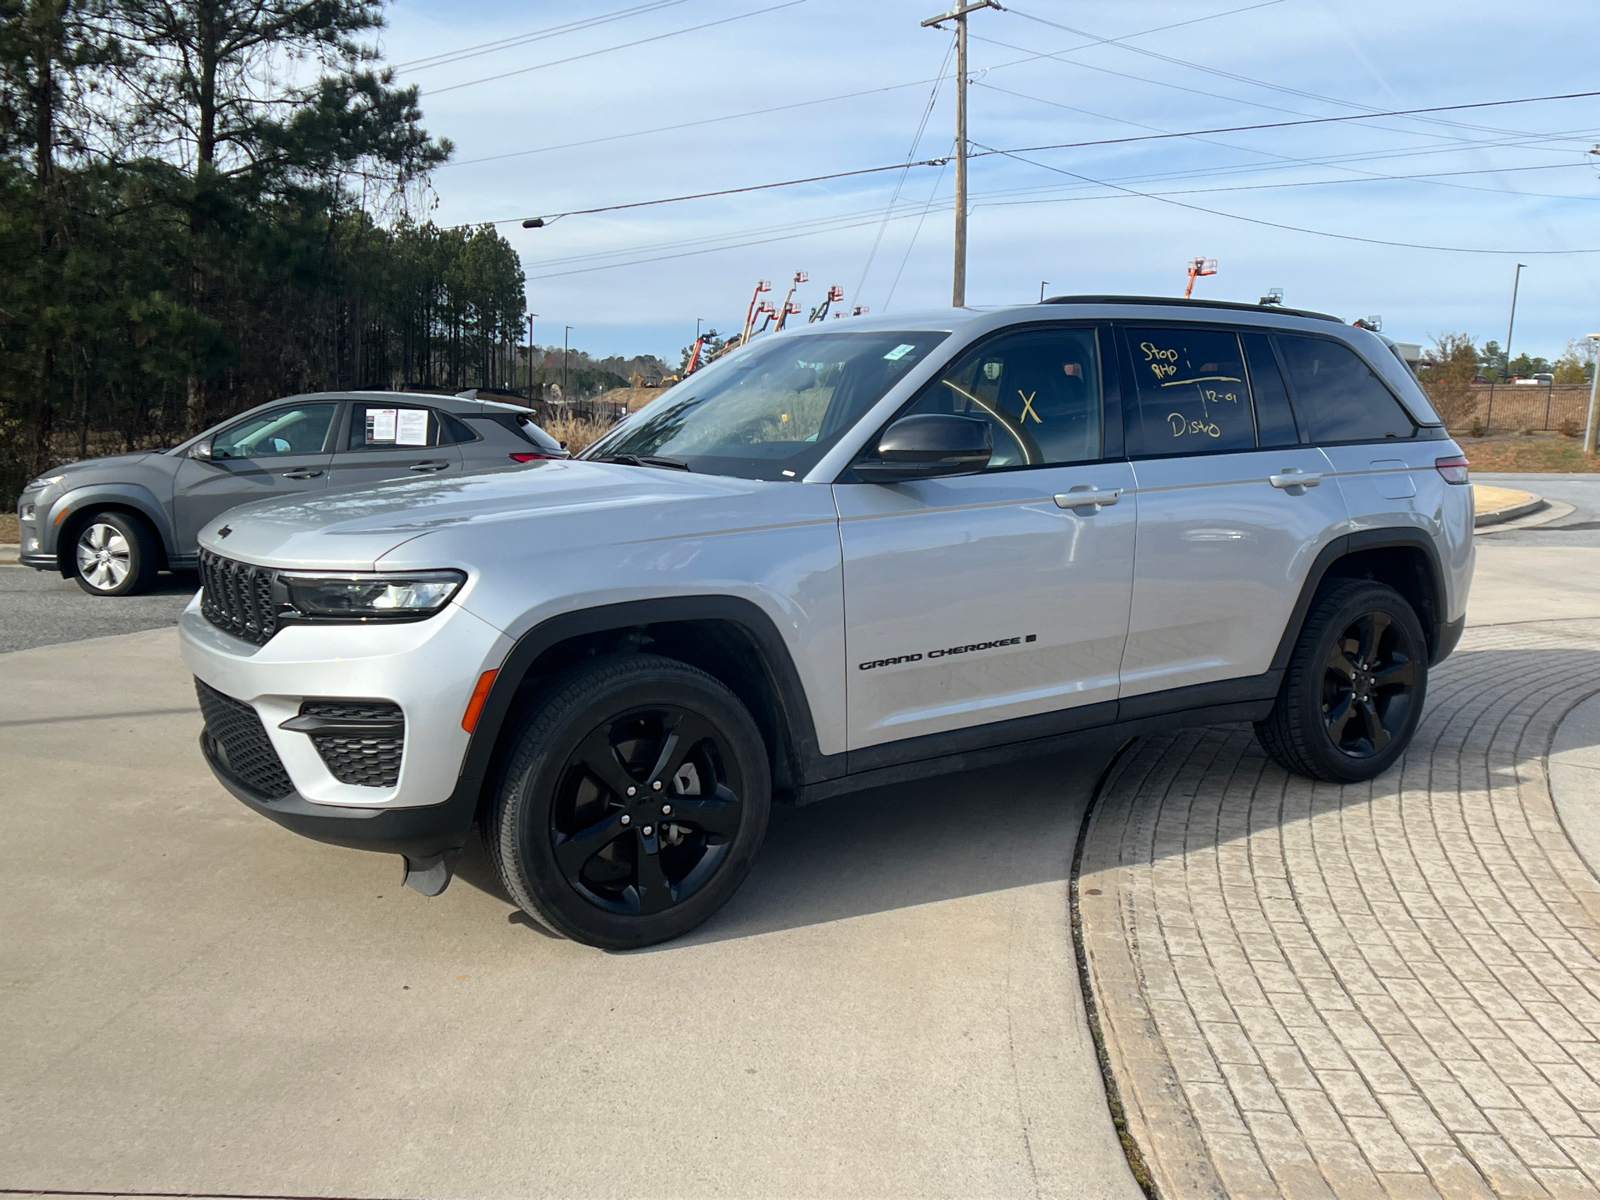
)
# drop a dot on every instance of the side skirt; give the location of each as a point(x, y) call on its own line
point(1229, 701)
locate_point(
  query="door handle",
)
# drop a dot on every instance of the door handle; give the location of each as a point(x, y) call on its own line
point(1295, 481)
point(1087, 496)
point(429, 466)
point(301, 473)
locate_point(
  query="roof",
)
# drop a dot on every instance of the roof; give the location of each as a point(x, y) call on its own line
point(1180, 302)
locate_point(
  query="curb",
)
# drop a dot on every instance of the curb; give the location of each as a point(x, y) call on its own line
point(10, 553)
point(1510, 512)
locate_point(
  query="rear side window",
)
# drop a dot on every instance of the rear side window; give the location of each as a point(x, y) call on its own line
point(1275, 424)
point(1337, 397)
point(1193, 395)
point(385, 427)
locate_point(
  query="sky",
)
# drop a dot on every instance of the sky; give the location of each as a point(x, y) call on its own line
point(618, 101)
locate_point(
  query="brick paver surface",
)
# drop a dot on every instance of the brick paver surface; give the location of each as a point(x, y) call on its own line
point(1383, 990)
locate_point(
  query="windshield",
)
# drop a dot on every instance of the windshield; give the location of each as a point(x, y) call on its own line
point(770, 410)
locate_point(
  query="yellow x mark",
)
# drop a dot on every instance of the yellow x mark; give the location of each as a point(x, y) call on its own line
point(1027, 409)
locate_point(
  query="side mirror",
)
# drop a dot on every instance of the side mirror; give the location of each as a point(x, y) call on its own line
point(201, 450)
point(928, 446)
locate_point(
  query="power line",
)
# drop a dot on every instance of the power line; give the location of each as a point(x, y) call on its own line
point(548, 218)
point(609, 49)
point(792, 231)
point(536, 35)
point(1343, 237)
point(761, 112)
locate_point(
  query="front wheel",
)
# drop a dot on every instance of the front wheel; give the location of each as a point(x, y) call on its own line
point(636, 798)
point(115, 555)
point(1354, 690)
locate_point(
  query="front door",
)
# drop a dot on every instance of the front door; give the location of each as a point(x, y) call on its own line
point(1233, 508)
point(394, 441)
point(991, 597)
point(280, 452)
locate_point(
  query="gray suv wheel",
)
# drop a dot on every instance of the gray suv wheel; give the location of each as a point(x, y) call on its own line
point(114, 555)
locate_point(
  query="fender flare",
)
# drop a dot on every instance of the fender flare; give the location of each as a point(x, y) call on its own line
point(1439, 641)
point(121, 495)
point(793, 716)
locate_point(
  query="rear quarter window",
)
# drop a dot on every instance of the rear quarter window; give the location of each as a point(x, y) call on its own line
point(1337, 397)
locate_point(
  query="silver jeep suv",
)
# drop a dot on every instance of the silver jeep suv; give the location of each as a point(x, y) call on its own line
point(864, 552)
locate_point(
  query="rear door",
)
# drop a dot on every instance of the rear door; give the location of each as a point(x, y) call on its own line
point(990, 597)
point(1233, 508)
point(394, 440)
point(281, 452)
point(1371, 442)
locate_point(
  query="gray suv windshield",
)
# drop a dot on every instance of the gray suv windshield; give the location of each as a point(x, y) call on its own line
point(769, 411)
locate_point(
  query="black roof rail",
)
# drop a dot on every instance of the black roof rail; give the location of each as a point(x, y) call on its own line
point(1180, 302)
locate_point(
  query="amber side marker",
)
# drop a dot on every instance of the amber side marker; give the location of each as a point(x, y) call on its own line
point(480, 693)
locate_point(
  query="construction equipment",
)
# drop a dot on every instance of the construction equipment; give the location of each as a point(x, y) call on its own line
point(820, 312)
point(789, 307)
point(1197, 268)
point(1273, 298)
point(750, 314)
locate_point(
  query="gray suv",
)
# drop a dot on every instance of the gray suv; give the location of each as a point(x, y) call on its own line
point(112, 523)
point(865, 552)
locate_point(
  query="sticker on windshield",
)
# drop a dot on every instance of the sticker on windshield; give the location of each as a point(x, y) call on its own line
point(900, 351)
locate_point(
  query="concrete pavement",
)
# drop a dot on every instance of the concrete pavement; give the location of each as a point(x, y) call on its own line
point(195, 1001)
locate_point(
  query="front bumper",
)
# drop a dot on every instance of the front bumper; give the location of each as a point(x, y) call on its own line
point(427, 667)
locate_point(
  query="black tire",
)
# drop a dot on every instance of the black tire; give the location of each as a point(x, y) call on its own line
point(589, 861)
point(1355, 687)
point(114, 554)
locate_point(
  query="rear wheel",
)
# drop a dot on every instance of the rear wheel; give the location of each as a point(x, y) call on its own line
point(634, 804)
point(1353, 693)
point(115, 555)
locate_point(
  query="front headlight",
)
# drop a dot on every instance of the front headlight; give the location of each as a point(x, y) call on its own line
point(397, 597)
point(44, 481)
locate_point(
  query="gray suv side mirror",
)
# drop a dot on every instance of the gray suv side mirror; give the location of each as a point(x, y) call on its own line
point(201, 450)
point(928, 446)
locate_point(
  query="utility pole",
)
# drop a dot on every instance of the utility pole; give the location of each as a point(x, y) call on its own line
point(564, 337)
point(531, 316)
point(1590, 431)
point(958, 14)
point(1512, 323)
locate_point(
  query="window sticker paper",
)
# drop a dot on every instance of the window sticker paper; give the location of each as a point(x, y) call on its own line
point(381, 424)
point(413, 427)
point(899, 352)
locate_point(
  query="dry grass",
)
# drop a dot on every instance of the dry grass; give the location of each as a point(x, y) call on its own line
point(576, 432)
point(9, 535)
point(1527, 454)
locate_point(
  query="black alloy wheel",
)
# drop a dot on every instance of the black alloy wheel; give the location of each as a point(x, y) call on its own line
point(1368, 687)
point(644, 812)
point(634, 803)
point(1354, 688)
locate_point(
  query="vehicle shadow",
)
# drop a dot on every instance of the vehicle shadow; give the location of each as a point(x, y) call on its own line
point(896, 847)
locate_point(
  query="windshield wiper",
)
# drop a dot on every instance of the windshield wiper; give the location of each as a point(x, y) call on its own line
point(645, 460)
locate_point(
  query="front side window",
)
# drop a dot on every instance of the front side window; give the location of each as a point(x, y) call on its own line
point(1193, 398)
point(386, 427)
point(299, 429)
point(1037, 389)
point(1337, 396)
point(769, 410)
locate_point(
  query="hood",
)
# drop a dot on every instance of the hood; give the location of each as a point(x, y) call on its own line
point(95, 464)
point(351, 530)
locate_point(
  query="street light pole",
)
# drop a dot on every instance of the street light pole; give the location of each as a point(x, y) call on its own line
point(1043, 283)
point(958, 288)
point(531, 316)
point(1590, 430)
point(1516, 280)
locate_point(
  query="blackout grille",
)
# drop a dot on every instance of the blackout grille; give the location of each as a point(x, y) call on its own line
point(240, 744)
point(355, 756)
point(238, 598)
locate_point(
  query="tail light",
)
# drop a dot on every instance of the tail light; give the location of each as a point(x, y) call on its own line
point(1454, 468)
point(523, 456)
